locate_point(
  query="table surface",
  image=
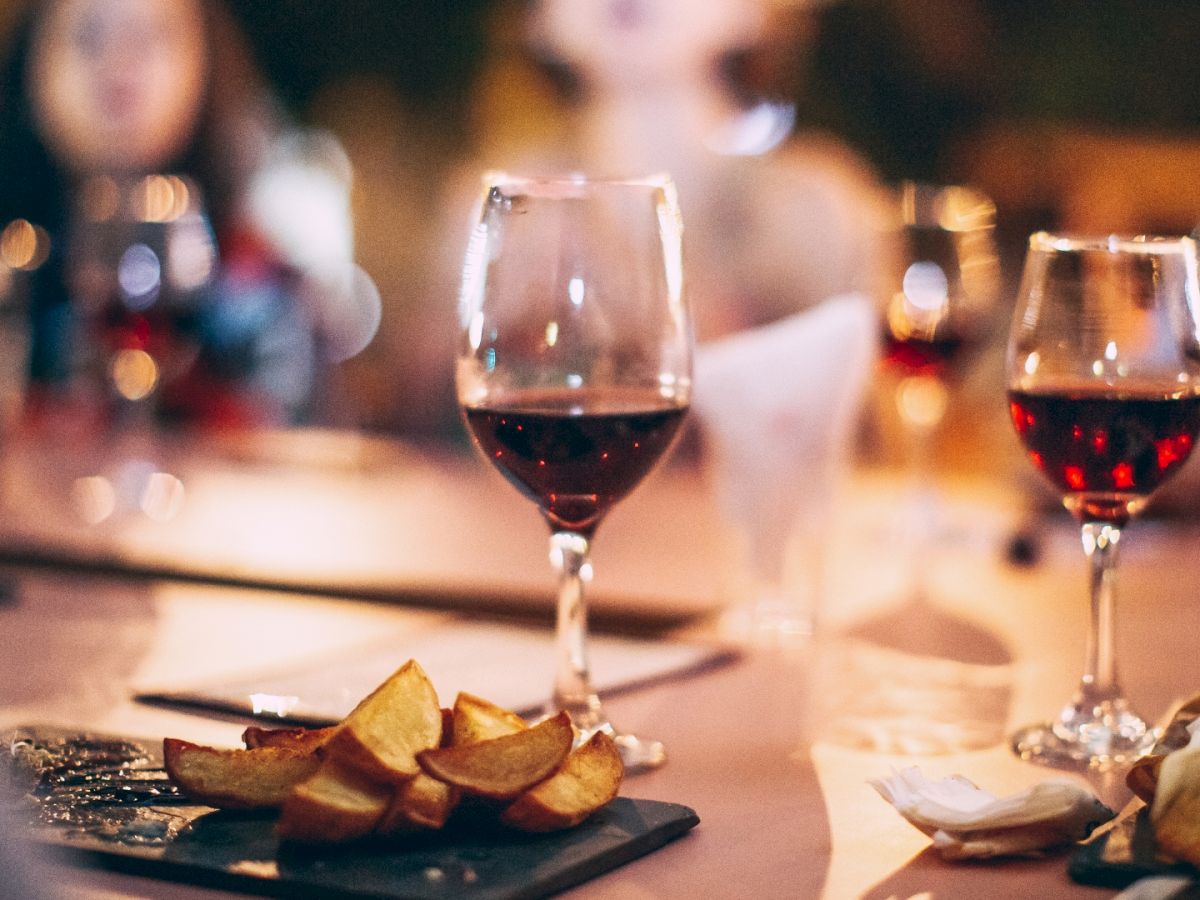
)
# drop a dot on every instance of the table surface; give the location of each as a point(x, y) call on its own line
point(773, 750)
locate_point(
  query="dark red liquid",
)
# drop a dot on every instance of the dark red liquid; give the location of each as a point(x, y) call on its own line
point(575, 453)
point(1105, 450)
point(913, 356)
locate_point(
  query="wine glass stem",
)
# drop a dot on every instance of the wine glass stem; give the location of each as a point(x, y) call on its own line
point(572, 681)
point(921, 402)
point(1099, 682)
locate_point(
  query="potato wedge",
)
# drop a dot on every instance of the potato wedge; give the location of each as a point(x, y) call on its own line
point(475, 719)
point(503, 767)
point(587, 781)
point(261, 778)
point(383, 734)
point(335, 805)
point(293, 738)
point(421, 802)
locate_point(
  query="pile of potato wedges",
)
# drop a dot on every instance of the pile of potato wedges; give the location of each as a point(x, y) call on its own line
point(400, 763)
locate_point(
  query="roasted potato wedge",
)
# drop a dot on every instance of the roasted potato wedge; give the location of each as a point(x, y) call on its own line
point(261, 778)
point(587, 781)
point(503, 767)
point(475, 719)
point(400, 763)
point(383, 734)
point(292, 738)
point(421, 802)
point(335, 805)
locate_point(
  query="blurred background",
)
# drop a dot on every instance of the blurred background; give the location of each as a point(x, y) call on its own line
point(1073, 114)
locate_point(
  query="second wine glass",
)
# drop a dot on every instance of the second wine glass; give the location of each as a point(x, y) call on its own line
point(1104, 391)
point(574, 372)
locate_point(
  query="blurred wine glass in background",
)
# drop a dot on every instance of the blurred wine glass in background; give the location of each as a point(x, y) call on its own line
point(142, 261)
point(941, 311)
point(956, 686)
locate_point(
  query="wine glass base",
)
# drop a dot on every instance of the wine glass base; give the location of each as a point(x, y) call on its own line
point(640, 754)
point(1045, 744)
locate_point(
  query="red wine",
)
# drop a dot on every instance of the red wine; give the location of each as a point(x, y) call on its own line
point(575, 452)
point(914, 356)
point(1106, 453)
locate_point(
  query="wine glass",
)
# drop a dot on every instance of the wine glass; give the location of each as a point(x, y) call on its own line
point(574, 372)
point(943, 308)
point(1103, 378)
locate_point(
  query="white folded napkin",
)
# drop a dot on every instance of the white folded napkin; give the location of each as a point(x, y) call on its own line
point(777, 406)
point(967, 822)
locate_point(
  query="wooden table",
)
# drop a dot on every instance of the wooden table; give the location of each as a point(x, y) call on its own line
point(767, 749)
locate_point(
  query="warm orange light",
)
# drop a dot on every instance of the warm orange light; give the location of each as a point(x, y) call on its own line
point(134, 374)
point(162, 198)
point(921, 401)
point(23, 245)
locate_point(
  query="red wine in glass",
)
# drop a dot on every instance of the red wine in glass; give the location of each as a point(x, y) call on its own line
point(575, 452)
point(911, 355)
point(1106, 452)
point(573, 373)
point(1104, 393)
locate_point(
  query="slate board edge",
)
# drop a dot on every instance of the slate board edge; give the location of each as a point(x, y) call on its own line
point(149, 864)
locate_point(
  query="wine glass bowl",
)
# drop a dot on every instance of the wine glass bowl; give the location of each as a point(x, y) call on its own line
point(950, 278)
point(574, 371)
point(1103, 381)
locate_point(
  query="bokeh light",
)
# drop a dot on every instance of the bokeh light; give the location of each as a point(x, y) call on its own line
point(163, 496)
point(162, 198)
point(139, 273)
point(94, 498)
point(23, 245)
point(134, 374)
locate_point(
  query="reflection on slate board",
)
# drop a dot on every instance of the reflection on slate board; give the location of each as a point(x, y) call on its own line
point(151, 830)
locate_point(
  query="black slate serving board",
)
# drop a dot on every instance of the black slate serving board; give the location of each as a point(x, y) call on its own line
point(137, 824)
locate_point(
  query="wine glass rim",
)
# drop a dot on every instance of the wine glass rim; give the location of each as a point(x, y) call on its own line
point(1148, 244)
point(500, 178)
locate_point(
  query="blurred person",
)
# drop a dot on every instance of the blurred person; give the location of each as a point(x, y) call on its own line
point(777, 219)
point(141, 126)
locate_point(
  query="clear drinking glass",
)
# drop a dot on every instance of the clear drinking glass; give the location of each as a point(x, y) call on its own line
point(574, 372)
point(1103, 377)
